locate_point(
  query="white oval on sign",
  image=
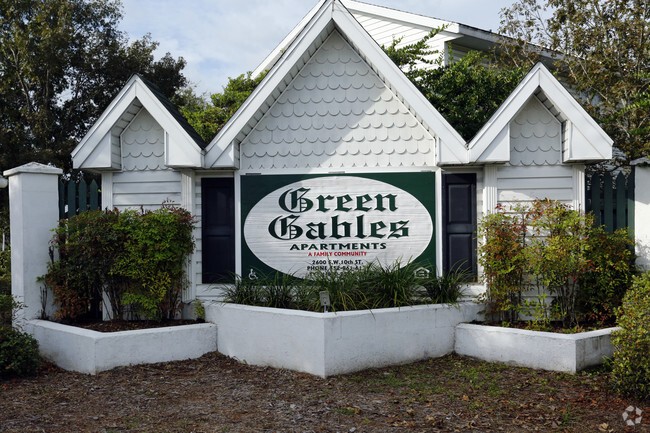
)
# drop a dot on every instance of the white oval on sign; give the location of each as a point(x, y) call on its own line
point(338, 221)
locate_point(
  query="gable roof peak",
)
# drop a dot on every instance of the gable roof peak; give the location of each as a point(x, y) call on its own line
point(96, 150)
point(332, 15)
point(583, 138)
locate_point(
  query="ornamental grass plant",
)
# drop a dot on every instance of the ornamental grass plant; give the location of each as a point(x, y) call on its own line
point(371, 286)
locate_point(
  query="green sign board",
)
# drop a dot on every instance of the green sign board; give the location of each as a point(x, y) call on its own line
point(300, 223)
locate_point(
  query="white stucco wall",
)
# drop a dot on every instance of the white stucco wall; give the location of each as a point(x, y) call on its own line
point(87, 351)
point(642, 215)
point(534, 349)
point(33, 213)
point(326, 344)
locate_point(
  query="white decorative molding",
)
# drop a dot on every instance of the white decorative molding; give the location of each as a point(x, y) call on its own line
point(238, 224)
point(107, 190)
point(490, 189)
point(182, 145)
point(642, 214)
point(187, 202)
point(579, 187)
point(337, 114)
point(535, 136)
point(142, 144)
point(187, 189)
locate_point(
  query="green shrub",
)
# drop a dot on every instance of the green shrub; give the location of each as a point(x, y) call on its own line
point(501, 252)
point(137, 259)
point(199, 310)
point(280, 290)
point(344, 287)
point(447, 288)
point(5, 272)
point(374, 285)
point(18, 353)
point(275, 290)
point(557, 250)
point(8, 308)
point(631, 362)
point(392, 285)
point(156, 251)
point(89, 245)
point(611, 270)
point(245, 291)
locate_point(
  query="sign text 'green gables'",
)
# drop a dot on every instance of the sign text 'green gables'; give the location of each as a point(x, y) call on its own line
point(338, 221)
point(298, 201)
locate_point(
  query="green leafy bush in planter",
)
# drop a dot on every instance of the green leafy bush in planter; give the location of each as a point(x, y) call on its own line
point(275, 290)
point(447, 288)
point(18, 353)
point(502, 255)
point(136, 259)
point(157, 248)
point(89, 245)
point(8, 304)
point(611, 269)
point(8, 308)
point(556, 250)
point(631, 362)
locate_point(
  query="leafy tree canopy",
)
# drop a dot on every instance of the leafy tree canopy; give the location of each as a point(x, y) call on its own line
point(602, 48)
point(207, 118)
point(466, 92)
point(61, 63)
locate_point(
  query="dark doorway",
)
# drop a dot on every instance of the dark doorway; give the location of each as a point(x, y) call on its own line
point(218, 229)
point(459, 223)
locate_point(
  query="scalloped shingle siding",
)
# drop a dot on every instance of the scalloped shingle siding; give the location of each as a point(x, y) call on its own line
point(145, 180)
point(337, 113)
point(143, 144)
point(536, 137)
point(535, 169)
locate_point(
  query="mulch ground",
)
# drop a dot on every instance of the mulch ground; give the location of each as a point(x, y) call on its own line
point(219, 394)
point(130, 325)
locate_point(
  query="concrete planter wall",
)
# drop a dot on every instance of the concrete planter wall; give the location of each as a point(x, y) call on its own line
point(326, 344)
point(534, 349)
point(90, 352)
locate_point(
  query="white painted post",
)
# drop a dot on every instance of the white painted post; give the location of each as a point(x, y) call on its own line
point(642, 212)
point(3, 184)
point(33, 213)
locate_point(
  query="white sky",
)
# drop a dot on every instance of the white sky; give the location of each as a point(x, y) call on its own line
point(225, 38)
